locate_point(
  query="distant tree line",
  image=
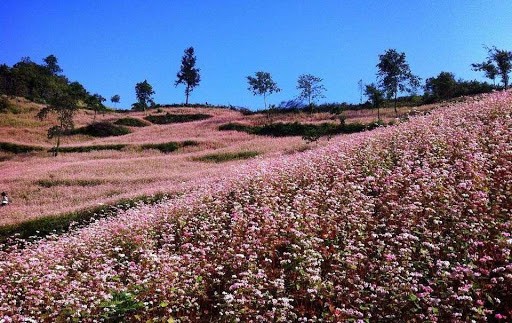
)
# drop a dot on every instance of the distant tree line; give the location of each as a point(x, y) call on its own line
point(42, 82)
point(395, 84)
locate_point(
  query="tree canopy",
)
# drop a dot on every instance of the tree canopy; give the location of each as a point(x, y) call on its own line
point(310, 88)
point(499, 62)
point(144, 92)
point(262, 84)
point(64, 102)
point(395, 75)
point(188, 73)
point(375, 96)
point(37, 82)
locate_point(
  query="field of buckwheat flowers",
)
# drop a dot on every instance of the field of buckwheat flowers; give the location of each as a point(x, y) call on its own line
point(405, 223)
point(41, 185)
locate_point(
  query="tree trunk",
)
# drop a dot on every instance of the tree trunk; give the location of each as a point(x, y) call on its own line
point(187, 93)
point(56, 152)
point(396, 111)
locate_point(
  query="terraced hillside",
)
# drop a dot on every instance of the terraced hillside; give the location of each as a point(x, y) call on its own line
point(404, 223)
point(153, 158)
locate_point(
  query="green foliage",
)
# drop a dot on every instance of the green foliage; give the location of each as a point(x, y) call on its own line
point(51, 65)
point(84, 149)
point(5, 105)
point(168, 147)
point(395, 75)
point(375, 96)
point(310, 88)
point(95, 102)
point(44, 226)
point(499, 62)
point(64, 103)
point(188, 74)
point(144, 92)
point(17, 148)
point(262, 84)
point(236, 127)
point(47, 183)
point(36, 82)
point(176, 118)
point(131, 122)
point(308, 131)
point(115, 99)
point(442, 87)
point(119, 305)
point(102, 129)
point(224, 157)
point(445, 86)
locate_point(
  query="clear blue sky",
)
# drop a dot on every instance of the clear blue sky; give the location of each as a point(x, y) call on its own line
point(109, 46)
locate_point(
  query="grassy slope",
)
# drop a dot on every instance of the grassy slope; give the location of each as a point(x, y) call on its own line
point(85, 180)
point(410, 223)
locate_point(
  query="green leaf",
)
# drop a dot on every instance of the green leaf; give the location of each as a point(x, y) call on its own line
point(164, 304)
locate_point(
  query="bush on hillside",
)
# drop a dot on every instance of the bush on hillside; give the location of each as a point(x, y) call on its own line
point(131, 122)
point(176, 118)
point(281, 129)
point(224, 157)
point(5, 105)
point(84, 149)
point(102, 129)
point(17, 148)
point(168, 147)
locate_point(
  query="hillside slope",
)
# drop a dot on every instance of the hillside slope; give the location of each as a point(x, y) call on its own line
point(408, 223)
point(126, 168)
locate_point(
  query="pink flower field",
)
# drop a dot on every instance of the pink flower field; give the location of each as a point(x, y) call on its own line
point(404, 223)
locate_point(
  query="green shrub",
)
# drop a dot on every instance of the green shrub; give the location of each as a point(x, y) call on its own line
point(102, 129)
point(310, 132)
point(236, 127)
point(18, 149)
point(119, 305)
point(5, 105)
point(176, 118)
point(131, 122)
point(168, 147)
point(224, 157)
point(47, 183)
point(41, 227)
point(84, 149)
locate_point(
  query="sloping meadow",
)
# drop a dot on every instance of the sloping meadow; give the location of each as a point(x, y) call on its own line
point(405, 223)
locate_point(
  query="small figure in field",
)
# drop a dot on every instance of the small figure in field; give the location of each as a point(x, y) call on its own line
point(5, 199)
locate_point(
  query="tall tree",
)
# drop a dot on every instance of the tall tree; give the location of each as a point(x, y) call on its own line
point(51, 65)
point(95, 102)
point(188, 74)
point(499, 62)
point(115, 99)
point(63, 103)
point(395, 76)
point(144, 92)
point(442, 87)
point(375, 96)
point(262, 84)
point(310, 88)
